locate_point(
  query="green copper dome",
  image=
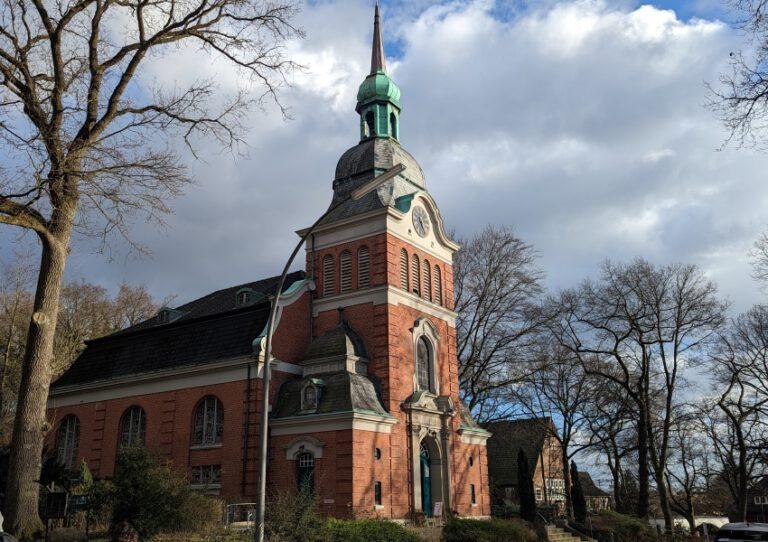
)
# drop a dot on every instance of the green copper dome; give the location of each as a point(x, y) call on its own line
point(378, 86)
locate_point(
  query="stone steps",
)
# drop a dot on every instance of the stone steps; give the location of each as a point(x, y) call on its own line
point(558, 534)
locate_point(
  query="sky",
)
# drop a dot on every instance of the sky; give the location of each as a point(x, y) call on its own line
point(580, 123)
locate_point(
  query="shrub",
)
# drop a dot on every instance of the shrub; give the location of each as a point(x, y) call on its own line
point(495, 530)
point(67, 534)
point(624, 528)
point(293, 517)
point(153, 497)
point(367, 530)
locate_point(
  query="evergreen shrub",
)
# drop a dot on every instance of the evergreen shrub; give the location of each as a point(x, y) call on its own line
point(368, 530)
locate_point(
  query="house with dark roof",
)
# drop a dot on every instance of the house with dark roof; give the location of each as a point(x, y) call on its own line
point(597, 499)
point(364, 405)
point(544, 454)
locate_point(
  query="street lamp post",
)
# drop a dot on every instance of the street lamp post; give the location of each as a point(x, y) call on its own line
point(264, 429)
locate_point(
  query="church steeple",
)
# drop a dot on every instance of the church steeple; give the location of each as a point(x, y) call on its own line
point(378, 60)
point(378, 99)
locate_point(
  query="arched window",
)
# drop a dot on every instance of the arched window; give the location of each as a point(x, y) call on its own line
point(424, 365)
point(393, 125)
point(209, 422)
point(369, 122)
point(427, 288)
point(328, 278)
point(404, 269)
point(133, 427)
point(415, 274)
point(305, 472)
point(345, 264)
point(438, 286)
point(363, 268)
point(67, 440)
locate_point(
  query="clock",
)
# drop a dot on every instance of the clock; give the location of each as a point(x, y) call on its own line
point(421, 221)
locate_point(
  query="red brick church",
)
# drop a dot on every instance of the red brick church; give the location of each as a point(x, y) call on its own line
point(364, 398)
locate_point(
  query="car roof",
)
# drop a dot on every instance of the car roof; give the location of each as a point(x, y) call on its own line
point(759, 527)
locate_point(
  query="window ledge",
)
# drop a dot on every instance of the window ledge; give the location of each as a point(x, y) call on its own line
point(474, 504)
point(206, 446)
point(205, 486)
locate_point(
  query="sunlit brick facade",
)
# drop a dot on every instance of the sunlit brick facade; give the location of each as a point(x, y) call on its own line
point(365, 408)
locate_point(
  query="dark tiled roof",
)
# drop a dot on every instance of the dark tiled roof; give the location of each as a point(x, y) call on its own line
point(377, 153)
point(211, 328)
point(360, 164)
point(589, 487)
point(340, 392)
point(508, 438)
point(339, 341)
point(219, 301)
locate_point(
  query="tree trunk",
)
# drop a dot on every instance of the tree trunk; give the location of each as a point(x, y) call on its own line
point(616, 473)
point(30, 424)
point(666, 509)
point(743, 483)
point(642, 467)
point(567, 485)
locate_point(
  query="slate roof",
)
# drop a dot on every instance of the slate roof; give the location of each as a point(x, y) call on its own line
point(589, 487)
point(340, 392)
point(339, 341)
point(508, 438)
point(210, 329)
point(362, 163)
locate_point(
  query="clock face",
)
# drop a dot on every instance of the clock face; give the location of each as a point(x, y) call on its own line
point(421, 221)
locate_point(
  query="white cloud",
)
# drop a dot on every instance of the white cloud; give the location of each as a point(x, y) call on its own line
point(581, 123)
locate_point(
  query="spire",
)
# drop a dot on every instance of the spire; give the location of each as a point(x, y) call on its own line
point(378, 61)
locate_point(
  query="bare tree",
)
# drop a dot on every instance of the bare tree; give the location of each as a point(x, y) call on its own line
point(735, 416)
point(86, 312)
point(15, 308)
point(77, 118)
point(497, 284)
point(741, 98)
point(612, 433)
point(638, 326)
point(688, 467)
point(557, 389)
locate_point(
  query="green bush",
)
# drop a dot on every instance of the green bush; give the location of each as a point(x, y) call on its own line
point(153, 497)
point(367, 530)
point(495, 530)
point(624, 528)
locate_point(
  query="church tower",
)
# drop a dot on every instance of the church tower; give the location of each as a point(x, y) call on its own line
point(378, 401)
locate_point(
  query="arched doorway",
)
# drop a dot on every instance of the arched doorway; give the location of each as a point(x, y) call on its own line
point(429, 487)
point(426, 480)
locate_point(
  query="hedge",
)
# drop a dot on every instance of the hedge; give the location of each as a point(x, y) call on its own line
point(624, 528)
point(495, 530)
point(368, 530)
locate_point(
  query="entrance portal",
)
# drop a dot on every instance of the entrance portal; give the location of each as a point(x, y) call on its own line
point(426, 480)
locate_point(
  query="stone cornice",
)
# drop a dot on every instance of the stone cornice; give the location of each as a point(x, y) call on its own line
point(381, 295)
point(334, 421)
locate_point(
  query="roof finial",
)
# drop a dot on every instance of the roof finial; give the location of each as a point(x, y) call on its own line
point(378, 61)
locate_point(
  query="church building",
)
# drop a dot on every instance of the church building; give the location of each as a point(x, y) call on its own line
point(365, 407)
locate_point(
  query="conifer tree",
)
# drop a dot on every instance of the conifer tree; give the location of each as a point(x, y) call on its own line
point(525, 485)
point(577, 496)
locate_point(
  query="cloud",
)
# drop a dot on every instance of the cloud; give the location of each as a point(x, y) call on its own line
point(580, 123)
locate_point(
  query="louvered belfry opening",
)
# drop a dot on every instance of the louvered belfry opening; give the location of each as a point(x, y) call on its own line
point(345, 264)
point(415, 274)
point(427, 289)
point(328, 278)
point(404, 269)
point(363, 268)
point(438, 286)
